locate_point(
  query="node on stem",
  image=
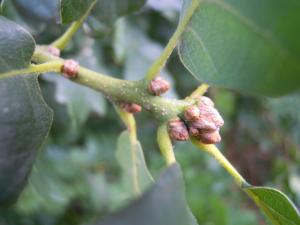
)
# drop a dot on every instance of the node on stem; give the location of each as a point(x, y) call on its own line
point(158, 86)
point(131, 107)
point(70, 68)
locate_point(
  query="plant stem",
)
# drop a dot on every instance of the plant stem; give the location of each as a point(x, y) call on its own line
point(161, 61)
point(119, 90)
point(62, 42)
point(199, 91)
point(53, 66)
point(216, 153)
point(165, 144)
point(130, 123)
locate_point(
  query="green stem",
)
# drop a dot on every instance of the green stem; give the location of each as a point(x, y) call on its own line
point(165, 144)
point(130, 123)
point(129, 120)
point(123, 90)
point(216, 153)
point(62, 42)
point(161, 61)
point(199, 91)
point(53, 66)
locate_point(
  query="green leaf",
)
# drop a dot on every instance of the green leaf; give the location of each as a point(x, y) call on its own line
point(41, 11)
point(276, 205)
point(248, 46)
point(25, 119)
point(162, 204)
point(136, 177)
point(16, 46)
point(108, 11)
point(71, 10)
point(1, 6)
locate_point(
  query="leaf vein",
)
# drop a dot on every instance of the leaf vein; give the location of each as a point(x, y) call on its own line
point(198, 38)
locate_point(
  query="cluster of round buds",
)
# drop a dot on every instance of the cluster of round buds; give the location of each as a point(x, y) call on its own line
point(158, 86)
point(204, 121)
point(178, 130)
point(131, 107)
point(70, 68)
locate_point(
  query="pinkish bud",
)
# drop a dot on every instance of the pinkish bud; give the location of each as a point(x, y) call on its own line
point(158, 86)
point(131, 107)
point(206, 127)
point(192, 113)
point(211, 114)
point(53, 51)
point(206, 101)
point(70, 68)
point(210, 137)
point(201, 125)
point(178, 130)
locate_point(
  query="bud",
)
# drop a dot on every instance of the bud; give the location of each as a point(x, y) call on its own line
point(201, 125)
point(210, 137)
point(207, 125)
point(131, 107)
point(178, 130)
point(192, 113)
point(70, 68)
point(211, 114)
point(158, 86)
point(205, 101)
point(53, 51)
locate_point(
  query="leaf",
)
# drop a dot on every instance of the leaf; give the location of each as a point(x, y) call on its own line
point(276, 205)
point(1, 6)
point(25, 119)
point(44, 11)
point(163, 204)
point(136, 177)
point(62, 175)
point(40, 17)
point(249, 46)
point(16, 46)
point(108, 11)
point(71, 10)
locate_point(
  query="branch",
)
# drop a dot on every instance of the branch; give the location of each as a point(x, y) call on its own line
point(216, 153)
point(165, 144)
point(53, 66)
point(161, 61)
point(119, 90)
point(129, 121)
point(199, 91)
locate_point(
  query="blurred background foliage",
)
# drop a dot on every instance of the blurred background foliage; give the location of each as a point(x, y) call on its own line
point(77, 176)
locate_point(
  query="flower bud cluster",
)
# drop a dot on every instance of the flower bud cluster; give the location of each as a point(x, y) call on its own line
point(202, 121)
